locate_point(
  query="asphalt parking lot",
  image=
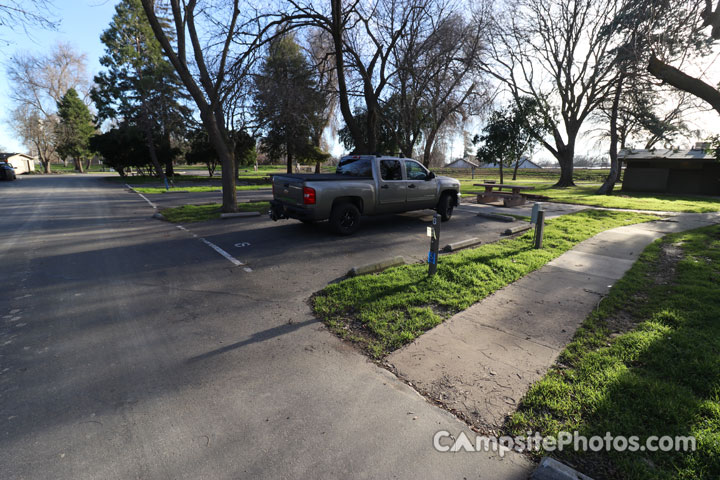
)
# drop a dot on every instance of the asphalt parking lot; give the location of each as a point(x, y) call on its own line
point(289, 244)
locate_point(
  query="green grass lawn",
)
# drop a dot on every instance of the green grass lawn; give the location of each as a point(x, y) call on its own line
point(646, 362)
point(200, 213)
point(385, 311)
point(203, 188)
point(584, 194)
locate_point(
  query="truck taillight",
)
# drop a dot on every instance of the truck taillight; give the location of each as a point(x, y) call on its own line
point(308, 196)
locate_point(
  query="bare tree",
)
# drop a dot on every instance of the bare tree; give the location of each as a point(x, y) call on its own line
point(210, 45)
point(26, 13)
point(37, 133)
point(437, 78)
point(553, 51)
point(37, 85)
point(364, 35)
point(320, 50)
point(682, 22)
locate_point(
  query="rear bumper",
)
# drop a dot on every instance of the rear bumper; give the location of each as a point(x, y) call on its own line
point(280, 210)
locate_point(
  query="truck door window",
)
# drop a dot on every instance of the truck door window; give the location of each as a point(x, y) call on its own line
point(390, 170)
point(355, 167)
point(415, 171)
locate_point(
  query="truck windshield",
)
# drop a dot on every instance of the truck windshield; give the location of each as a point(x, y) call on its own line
point(355, 167)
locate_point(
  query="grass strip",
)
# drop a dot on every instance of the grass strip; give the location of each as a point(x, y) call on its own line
point(646, 362)
point(200, 213)
point(585, 195)
point(204, 188)
point(385, 311)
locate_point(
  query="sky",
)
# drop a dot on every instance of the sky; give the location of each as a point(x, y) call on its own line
point(81, 23)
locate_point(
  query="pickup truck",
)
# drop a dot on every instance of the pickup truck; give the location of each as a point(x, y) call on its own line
point(362, 185)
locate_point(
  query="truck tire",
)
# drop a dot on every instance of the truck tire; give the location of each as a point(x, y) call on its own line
point(345, 218)
point(445, 206)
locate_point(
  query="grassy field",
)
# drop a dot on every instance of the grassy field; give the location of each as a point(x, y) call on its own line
point(385, 311)
point(587, 183)
point(646, 362)
point(200, 213)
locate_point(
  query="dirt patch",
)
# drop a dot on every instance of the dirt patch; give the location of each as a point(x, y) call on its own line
point(623, 321)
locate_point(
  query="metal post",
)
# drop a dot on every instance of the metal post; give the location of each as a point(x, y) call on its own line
point(434, 233)
point(539, 228)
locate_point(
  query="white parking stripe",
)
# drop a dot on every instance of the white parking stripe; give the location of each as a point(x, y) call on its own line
point(219, 250)
point(142, 196)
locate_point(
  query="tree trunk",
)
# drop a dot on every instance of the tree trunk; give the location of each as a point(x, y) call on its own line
point(169, 167)
point(317, 167)
point(609, 184)
point(566, 159)
point(500, 163)
point(429, 141)
point(44, 161)
point(343, 95)
point(517, 164)
point(371, 125)
point(289, 161)
point(682, 81)
point(153, 153)
point(78, 165)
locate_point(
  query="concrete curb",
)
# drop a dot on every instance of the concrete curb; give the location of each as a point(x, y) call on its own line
point(495, 216)
point(468, 242)
point(376, 266)
point(550, 469)
point(239, 215)
point(176, 191)
point(518, 229)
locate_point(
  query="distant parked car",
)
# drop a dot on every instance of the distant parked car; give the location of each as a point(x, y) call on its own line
point(7, 172)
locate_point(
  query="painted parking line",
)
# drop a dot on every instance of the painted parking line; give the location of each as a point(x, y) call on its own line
point(142, 196)
point(219, 250)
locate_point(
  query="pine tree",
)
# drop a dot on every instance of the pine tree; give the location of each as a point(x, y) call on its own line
point(288, 103)
point(75, 129)
point(139, 86)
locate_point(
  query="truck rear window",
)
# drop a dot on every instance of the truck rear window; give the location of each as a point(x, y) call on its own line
point(355, 167)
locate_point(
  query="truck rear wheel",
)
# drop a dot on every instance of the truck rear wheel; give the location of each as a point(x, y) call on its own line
point(345, 218)
point(445, 206)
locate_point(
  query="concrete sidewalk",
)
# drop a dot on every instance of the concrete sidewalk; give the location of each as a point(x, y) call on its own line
point(481, 362)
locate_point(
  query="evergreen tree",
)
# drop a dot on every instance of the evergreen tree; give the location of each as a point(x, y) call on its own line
point(511, 133)
point(139, 86)
point(75, 129)
point(288, 103)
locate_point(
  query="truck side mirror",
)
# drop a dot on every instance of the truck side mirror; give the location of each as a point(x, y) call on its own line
point(430, 176)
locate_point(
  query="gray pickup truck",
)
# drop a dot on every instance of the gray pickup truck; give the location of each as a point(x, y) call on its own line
point(362, 185)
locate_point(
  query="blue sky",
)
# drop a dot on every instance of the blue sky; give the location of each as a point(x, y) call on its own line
point(82, 22)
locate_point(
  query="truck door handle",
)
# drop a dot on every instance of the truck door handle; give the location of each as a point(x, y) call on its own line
point(411, 186)
point(385, 186)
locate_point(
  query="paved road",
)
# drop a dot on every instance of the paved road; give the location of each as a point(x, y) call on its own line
point(129, 349)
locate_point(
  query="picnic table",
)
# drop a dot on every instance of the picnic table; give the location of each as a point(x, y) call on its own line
point(493, 193)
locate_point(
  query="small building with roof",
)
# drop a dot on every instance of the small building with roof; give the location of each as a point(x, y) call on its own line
point(680, 171)
point(20, 162)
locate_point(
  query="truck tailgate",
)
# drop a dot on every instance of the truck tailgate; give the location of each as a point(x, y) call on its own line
point(288, 190)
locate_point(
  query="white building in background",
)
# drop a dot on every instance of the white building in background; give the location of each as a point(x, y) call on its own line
point(462, 163)
point(524, 163)
point(20, 162)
